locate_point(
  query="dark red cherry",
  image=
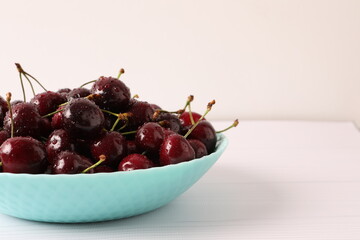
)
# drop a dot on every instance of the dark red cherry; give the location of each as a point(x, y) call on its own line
point(58, 141)
point(13, 103)
point(3, 136)
point(64, 91)
point(114, 94)
point(135, 161)
point(78, 93)
point(112, 145)
point(132, 147)
point(48, 102)
point(103, 168)
point(45, 127)
point(149, 137)
point(57, 119)
point(169, 121)
point(185, 118)
point(205, 133)
point(175, 149)
point(199, 148)
point(70, 163)
point(155, 106)
point(23, 155)
point(27, 120)
point(3, 109)
point(141, 112)
point(83, 119)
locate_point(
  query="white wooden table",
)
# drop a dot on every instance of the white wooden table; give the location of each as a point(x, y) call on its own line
point(276, 180)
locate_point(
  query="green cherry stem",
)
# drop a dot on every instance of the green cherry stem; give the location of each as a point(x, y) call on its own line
point(114, 125)
point(121, 72)
point(209, 106)
point(128, 133)
point(21, 80)
point(8, 100)
point(87, 83)
point(235, 123)
point(102, 158)
point(0, 164)
point(52, 113)
point(21, 70)
point(32, 87)
point(111, 113)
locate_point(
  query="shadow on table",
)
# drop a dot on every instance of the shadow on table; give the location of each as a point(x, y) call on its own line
point(222, 198)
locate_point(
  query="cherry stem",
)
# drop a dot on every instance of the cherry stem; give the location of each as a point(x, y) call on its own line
point(22, 86)
point(87, 83)
point(102, 158)
point(111, 113)
point(122, 71)
point(128, 133)
point(52, 113)
point(135, 96)
point(0, 164)
point(8, 100)
point(21, 70)
point(32, 87)
point(209, 106)
point(191, 115)
point(189, 100)
point(236, 122)
point(114, 125)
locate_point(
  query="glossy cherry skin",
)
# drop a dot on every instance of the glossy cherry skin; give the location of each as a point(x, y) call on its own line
point(64, 91)
point(175, 149)
point(47, 102)
point(78, 93)
point(23, 155)
point(149, 137)
point(135, 161)
point(185, 118)
point(3, 136)
point(113, 94)
point(141, 112)
point(27, 120)
point(199, 148)
point(58, 141)
point(69, 163)
point(83, 119)
point(169, 121)
point(57, 119)
point(205, 133)
point(3, 109)
point(112, 145)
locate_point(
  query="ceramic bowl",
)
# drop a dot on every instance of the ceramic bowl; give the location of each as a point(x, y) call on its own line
point(100, 196)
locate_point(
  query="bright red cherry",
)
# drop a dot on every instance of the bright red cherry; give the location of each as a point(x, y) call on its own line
point(150, 137)
point(185, 119)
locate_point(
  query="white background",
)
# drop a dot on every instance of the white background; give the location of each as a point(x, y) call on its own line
point(258, 59)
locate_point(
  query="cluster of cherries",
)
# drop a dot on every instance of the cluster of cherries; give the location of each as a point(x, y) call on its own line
point(102, 129)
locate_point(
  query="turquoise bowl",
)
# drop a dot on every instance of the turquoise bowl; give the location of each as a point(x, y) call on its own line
point(101, 196)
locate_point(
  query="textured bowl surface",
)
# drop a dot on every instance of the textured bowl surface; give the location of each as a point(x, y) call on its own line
point(100, 196)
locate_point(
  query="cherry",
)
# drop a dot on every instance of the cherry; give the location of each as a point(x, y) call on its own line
point(169, 121)
point(3, 136)
point(3, 109)
point(64, 91)
point(112, 145)
point(132, 147)
point(140, 112)
point(23, 155)
point(78, 93)
point(82, 118)
point(135, 161)
point(58, 141)
point(175, 149)
point(69, 163)
point(185, 119)
point(57, 119)
point(47, 102)
point(114, 94)
point(103, 168)
point(45, 127)
point(205, 133)
point(199, 148)
point(27, 120)
point(149, 137)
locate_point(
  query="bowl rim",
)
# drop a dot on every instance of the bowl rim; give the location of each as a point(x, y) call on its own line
point(221, 144)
